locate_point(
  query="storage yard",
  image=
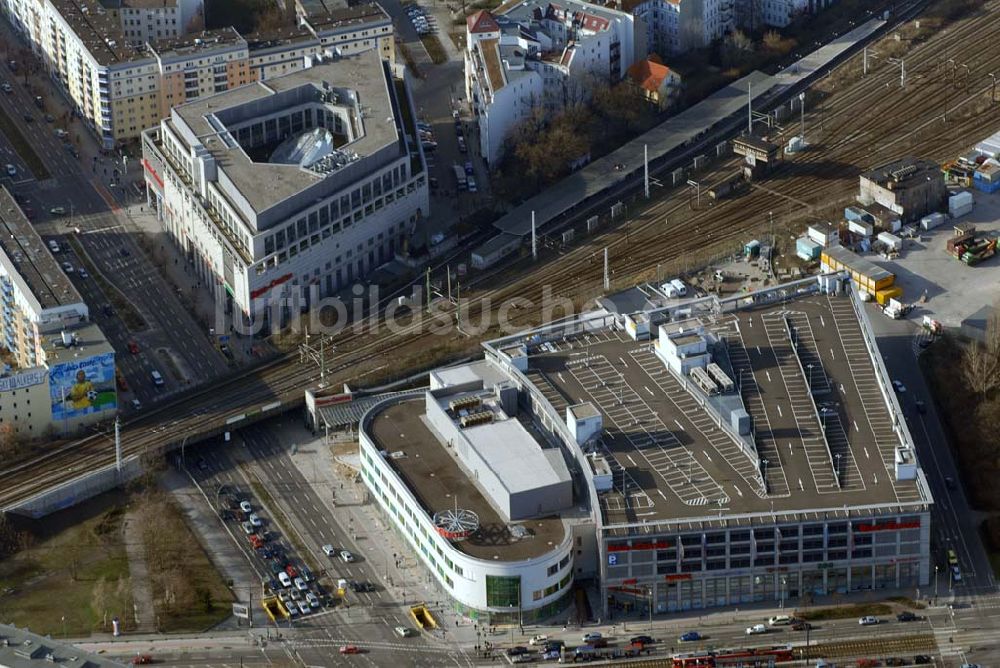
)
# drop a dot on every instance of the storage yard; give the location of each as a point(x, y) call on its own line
point(852, 124)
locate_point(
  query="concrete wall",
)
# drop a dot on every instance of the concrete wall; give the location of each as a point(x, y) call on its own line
point(76, 491)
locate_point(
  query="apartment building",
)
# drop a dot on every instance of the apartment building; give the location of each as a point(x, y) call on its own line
point(779, 13)
point(150, 20)
point(674, 26)
point(348, 30)
point(197, 65)
point(540, 55)
point(57, 371)
point(122, 76)
point(279, 52)
point(293, 188)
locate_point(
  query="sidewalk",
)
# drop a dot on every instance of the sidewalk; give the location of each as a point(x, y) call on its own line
point(142, 590)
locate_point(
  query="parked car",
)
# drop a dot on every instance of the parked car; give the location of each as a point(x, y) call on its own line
point(247, 528)
point(312, 599)
point(405, 632)
point(290, 570)
point(304, 607)
point(246, 507)
point(11, 170)
point(255, 520)
point(284, 579)
point(301, 585)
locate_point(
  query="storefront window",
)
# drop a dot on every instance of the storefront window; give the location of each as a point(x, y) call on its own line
point(502, 591)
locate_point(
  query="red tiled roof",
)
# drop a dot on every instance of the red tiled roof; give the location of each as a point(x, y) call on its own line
point(481, 21)
point(649, 74)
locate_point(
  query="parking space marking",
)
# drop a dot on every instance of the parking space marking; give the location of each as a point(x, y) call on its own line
point(633, 421)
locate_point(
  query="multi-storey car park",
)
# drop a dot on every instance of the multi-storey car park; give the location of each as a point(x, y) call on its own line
point(721, 451)
point(308, 180)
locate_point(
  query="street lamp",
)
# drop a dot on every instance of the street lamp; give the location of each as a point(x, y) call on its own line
point(935, 582)
point(784, 581)
point(810, 367)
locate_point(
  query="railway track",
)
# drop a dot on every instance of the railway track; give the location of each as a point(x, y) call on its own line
point(853, 113)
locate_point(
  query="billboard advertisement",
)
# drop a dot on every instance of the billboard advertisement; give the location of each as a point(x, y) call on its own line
point(83, 387)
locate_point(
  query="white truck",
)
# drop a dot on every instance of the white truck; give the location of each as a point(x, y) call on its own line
point(896, 309)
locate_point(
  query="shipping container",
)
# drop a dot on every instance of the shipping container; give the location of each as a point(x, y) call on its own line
point(932, 221)
point(858, 215)
point(986, 186)
point(891, 241)
point(960, 204)
point(868, 276)
point(860, 228)
point(807, 249)
point(824, 234)
point(883, 296)
point(751, 249)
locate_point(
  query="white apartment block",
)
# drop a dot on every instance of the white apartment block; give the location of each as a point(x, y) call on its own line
point(779, 13)
point(669, 27)
point(349, 30)
point(150, 20)
point(537, 54)
point(122, 79)
point(305, 181)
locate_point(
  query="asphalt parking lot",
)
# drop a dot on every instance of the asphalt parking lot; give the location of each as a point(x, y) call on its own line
point(951, 290)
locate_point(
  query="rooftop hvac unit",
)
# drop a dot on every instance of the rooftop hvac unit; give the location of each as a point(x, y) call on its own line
point(720, 377)
point(482, 417)
point(903, 172)
point(464, 403)
point(701, 378)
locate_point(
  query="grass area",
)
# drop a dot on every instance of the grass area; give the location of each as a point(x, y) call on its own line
point(992, 553)
point(22, 147)
point(906, 602)
point(128, 313)
point(76, 570)
point(434, 49)
point(189, 594)
point(411, 64)
point(458, 39)
point(844, 612)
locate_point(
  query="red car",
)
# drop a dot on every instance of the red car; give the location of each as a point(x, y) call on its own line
point(256, 541)
point(350, 649)
point(139, 659)
point(133, 347)
point(292, 573)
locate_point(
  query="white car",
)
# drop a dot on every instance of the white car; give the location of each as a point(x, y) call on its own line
point(312, 600)
point(301, 585)
point(899, 387)
point(11, 170)
point(538, 640)
point(756, 629)
point(67, 267)
point(346, 556)
point(293, 610)
point(254, 520)
point(247, 528)
point(304, 607)
point(329, 551)
point(246, 507)
point(404, 632)
point(284, 579)
point(868, 620)
point(136, 404)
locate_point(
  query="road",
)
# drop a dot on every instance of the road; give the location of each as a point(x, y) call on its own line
point(302, 520)
point(174, 342)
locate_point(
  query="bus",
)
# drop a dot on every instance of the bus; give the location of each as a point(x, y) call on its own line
point(460, 177)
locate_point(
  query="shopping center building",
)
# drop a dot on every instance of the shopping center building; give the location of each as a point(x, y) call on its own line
point(719, 452)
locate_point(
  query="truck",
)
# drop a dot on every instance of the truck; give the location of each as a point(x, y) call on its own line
point(896, 309)
point(274, 608)
point(460, 177)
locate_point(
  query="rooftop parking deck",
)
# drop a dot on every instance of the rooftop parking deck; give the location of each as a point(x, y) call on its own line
point(670, 458)
point(434, 477)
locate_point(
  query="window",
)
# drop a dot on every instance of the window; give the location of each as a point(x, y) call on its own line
point(552, 570)
point(502, 591)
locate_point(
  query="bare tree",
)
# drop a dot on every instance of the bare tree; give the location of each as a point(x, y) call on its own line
point(981, 361)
